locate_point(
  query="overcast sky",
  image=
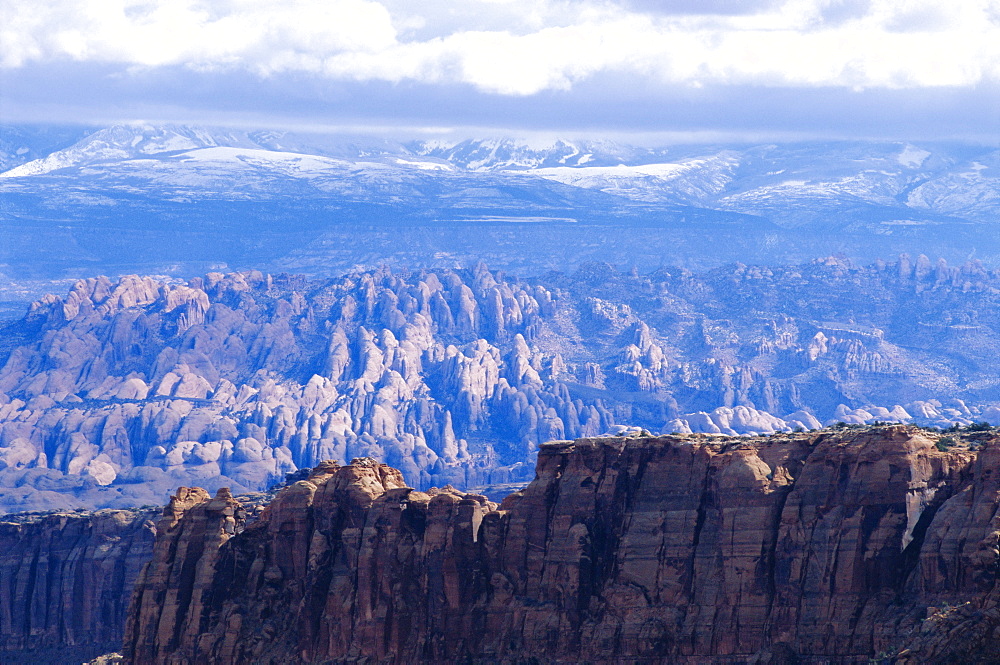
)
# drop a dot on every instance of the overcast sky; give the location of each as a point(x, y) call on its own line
point(702, 68)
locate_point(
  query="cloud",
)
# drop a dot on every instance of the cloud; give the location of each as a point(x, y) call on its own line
point(524, 47)
point(759, 68)
point(168, 32)
point(721, 7)
point(606, 103)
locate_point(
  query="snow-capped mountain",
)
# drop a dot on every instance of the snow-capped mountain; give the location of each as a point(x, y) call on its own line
point(123, 143)
point(22, 144)
point(793, 184)
point(809, 184)
point(507, 154)
point(691, 181)
point(167, 199)
point(970, 189)
point(120, 143)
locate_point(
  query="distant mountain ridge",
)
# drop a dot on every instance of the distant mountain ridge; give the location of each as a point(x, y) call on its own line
point(756, 179)
point(497, 154)
point(22, 144)
point(179, 201)
point(131, 142)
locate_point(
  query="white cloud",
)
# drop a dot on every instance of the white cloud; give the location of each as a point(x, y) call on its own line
point(521, 47)
point(171, 32)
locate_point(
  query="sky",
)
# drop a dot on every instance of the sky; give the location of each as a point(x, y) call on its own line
point(700, 68)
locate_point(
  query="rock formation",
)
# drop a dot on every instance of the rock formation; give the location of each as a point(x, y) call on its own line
point(829, 546)
point(122, 391)
point(65, 582)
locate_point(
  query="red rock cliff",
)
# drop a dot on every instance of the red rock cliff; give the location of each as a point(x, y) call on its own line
point(65, 581)
point(825, 547)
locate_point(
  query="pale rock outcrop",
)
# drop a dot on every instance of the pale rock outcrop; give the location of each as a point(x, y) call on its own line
point(802, 420)
point(459, 376)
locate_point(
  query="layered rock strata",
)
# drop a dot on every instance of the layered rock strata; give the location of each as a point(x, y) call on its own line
point(65, 582)
point(820, 547)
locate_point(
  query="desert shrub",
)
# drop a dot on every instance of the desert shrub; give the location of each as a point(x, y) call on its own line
point(944, 443)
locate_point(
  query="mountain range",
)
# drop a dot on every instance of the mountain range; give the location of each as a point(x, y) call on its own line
point(120, 391)
point(177, 200)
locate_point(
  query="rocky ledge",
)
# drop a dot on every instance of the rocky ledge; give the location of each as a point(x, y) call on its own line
point(829, 546)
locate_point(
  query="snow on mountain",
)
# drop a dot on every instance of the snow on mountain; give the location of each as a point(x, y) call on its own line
point(806, 181)
point(507, 154)
point(686, 181)
point(878, 187)
point(222, 171)
point(912, 156)
point(150, 166)
point(585, 176)
point(424, 165)
point(971, 189)
point(286, 162)
point(123, 142)
point(747, 178)
point(20, 144)
point(134, 147)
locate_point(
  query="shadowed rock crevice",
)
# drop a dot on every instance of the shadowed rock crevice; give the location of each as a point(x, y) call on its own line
point(769, 555)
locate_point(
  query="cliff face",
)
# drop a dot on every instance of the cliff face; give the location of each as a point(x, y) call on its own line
point(65, 582)
point(821, 546)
